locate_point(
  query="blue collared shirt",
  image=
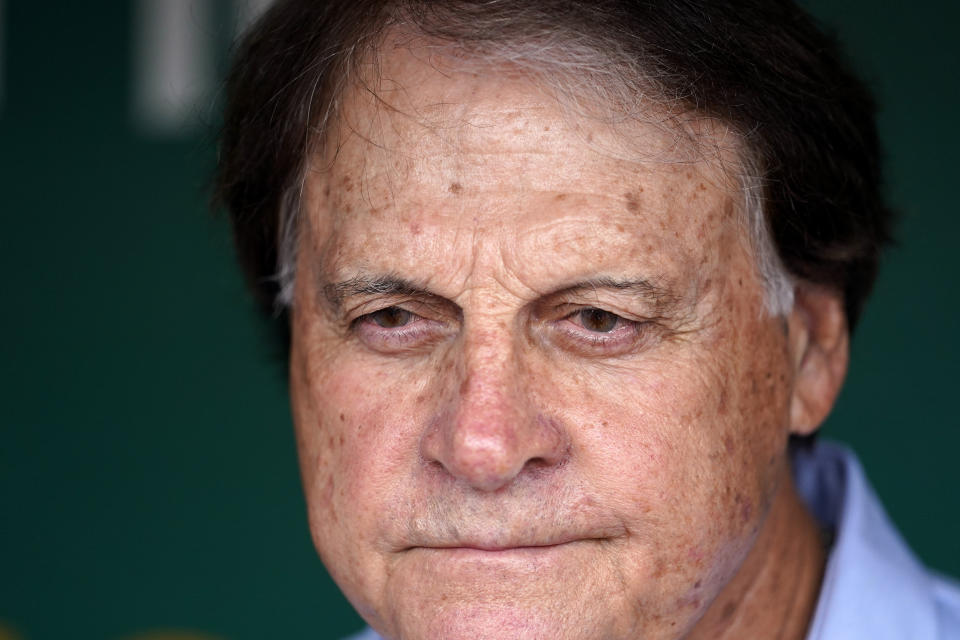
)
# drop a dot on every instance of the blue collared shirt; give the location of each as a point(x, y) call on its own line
point(874, 588)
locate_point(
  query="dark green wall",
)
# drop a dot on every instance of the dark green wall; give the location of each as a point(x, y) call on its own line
point(147, 471)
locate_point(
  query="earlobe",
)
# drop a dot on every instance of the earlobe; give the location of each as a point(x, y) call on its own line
point(819, 344)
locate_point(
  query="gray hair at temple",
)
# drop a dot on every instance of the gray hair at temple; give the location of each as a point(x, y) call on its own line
point(808, 158)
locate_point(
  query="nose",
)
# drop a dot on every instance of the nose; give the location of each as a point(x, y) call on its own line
point(492, 432)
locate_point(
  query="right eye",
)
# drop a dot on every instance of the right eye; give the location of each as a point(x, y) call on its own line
point(390, 317)
point(395, 329)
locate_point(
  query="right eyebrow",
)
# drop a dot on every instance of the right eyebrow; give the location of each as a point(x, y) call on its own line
point(337, 292)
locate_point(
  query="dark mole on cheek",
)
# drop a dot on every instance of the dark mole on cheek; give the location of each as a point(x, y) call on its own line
point(632, 202)
point(455, 188)
point(560, 196)
point(328, 489)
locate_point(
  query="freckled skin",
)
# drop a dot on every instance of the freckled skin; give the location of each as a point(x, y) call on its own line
point(657, 474)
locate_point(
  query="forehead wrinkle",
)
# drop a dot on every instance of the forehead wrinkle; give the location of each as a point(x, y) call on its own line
point(493, 137)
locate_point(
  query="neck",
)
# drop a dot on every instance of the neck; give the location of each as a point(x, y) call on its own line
point(774, 594)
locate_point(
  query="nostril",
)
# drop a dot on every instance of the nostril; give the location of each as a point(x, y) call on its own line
point(539, 466)
point(536, 463)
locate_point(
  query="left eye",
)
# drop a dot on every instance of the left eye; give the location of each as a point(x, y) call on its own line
point(596, 320)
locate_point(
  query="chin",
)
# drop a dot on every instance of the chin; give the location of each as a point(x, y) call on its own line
point(487, 621)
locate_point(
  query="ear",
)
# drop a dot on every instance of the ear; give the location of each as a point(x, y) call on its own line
point(819, 343)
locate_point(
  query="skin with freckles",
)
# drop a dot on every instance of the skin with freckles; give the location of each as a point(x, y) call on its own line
point(536, 394)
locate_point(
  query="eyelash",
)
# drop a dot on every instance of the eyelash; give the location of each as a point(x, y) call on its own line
point(570, 331)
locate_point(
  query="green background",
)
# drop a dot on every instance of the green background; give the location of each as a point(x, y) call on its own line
point(148, 478)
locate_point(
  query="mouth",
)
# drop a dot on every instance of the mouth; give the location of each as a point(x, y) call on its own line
point(513, 559)
point(491, 548)
point(497, 548)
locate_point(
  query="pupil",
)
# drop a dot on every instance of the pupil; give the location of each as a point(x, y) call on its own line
point(598, 320)
point(391, 317)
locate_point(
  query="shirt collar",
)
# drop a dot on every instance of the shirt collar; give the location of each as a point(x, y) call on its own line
point(873, 587)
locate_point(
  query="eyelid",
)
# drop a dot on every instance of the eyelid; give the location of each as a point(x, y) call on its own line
point(569, 308)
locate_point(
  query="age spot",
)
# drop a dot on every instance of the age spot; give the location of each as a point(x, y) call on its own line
point(746, 510)
point(455, 188)
point(728, 610)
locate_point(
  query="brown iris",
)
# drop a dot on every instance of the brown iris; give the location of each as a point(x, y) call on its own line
point(391, 317)
point(598, 320)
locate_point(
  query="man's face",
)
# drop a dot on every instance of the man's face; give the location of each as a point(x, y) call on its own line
point(536, 394)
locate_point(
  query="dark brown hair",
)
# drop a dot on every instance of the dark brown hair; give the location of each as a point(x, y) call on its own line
point(761, 66)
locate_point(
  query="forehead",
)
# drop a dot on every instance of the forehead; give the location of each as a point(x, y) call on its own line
point(426, 152)
point(422, 106)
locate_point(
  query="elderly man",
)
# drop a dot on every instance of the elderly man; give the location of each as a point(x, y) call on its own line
point(569, 287)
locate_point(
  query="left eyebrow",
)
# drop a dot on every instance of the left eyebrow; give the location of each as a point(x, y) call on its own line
point(663, 300)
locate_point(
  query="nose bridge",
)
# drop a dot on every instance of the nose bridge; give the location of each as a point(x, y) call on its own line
point(493, 429)
point(490, 393)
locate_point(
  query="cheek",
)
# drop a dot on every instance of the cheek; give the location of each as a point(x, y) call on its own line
point(361, 438)
point(685, 446)
point(344, 440)
point(351, 457)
